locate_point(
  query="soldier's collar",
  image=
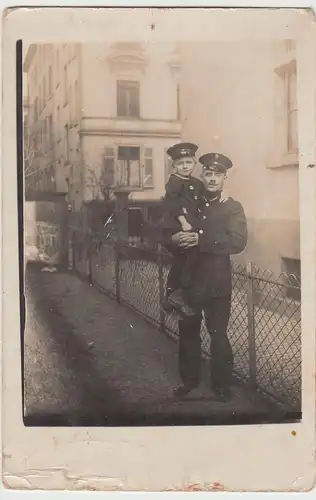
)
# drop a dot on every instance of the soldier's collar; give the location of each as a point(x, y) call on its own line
point(209, 197)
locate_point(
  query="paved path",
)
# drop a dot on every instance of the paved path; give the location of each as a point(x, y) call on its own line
point(90, 361)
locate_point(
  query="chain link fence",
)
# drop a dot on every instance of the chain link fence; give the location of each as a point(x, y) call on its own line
point(265, 322)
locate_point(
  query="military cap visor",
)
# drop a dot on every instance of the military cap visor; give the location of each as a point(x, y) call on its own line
point(215, 161)
point(182, 150)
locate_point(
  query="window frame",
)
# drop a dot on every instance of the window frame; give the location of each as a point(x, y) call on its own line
point(128, 185)
point(50, 81)
point(120, 82)
point(281, 110)
point(67, 145)
point(115, 148)
point(65, 85)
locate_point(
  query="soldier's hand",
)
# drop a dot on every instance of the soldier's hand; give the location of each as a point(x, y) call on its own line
point(185, 239)
point(192, 241)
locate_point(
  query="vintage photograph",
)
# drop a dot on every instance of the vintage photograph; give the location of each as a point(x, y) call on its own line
point(161, 233)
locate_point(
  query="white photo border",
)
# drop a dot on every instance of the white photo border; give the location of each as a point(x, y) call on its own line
point(240, 458)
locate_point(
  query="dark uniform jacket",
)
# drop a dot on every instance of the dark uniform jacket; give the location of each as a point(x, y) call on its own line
point(183, 197)
point(223, 232)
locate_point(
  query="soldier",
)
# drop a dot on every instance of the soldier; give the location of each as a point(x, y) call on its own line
point(223, 231)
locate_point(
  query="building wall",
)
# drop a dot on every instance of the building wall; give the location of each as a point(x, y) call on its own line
point(81, 101)
point(157, 127)
point(155, 76)
point(53, 88)
point(228, 104)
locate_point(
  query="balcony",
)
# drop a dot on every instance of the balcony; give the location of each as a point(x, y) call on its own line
point(130, 127)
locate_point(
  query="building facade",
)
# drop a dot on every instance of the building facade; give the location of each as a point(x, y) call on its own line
point(101, 116)
point(240, 99)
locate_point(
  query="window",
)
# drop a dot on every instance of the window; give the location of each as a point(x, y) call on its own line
point(50, 133)
point(67, 144)
point(286, 146)
point(65, 85)
point(292, 269)
point(50, 81)
point(57, 68)
point(148, 168)
point(70, 104)
point(291, 93)
point(75, 101)
point(128, 171)
point(44, 92)
point(178, 103)
point(58, 123)
point(40, 99)
point(36, 109)
point(45, 135)
point(128, 99)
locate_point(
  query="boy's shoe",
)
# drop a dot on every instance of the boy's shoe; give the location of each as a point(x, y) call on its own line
point(177, 302)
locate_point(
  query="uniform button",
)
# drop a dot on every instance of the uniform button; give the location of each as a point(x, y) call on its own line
point(191, 187)
point(204, 217)
point(207, 204)
point(201, 231)
point(195, 197)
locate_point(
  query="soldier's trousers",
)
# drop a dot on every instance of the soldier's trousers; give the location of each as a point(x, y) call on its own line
point(217, 312)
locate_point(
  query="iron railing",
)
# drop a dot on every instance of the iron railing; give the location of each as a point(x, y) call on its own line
point(265, 322)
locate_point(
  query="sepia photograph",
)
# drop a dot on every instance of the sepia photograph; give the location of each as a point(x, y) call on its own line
point(159, 270)
point(161, 233)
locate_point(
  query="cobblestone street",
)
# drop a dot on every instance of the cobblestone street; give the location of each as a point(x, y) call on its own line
point(91, 361)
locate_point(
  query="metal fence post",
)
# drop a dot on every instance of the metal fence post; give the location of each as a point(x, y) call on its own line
point(117, 271)
point(251, 331)
point(161, 288)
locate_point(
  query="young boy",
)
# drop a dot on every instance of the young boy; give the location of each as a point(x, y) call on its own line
point(181, 213)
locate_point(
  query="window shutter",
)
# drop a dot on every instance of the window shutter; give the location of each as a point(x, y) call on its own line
point(108, 170)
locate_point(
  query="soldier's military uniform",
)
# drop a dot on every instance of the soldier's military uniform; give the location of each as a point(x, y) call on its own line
point(223, 231)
